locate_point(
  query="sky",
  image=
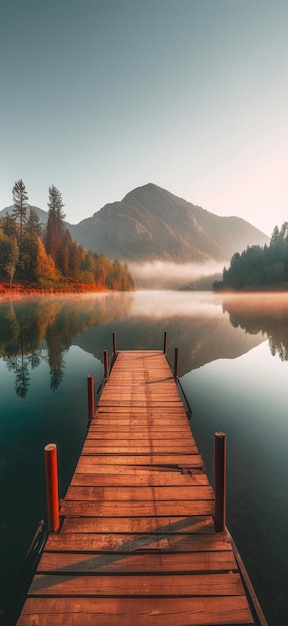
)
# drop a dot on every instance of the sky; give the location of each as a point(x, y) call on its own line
point(101, 96)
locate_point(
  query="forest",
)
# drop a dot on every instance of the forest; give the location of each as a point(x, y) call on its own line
point(47, 258)
point(259, 268)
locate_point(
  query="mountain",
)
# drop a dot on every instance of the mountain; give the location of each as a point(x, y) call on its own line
point(152, 224)
point(43, 215)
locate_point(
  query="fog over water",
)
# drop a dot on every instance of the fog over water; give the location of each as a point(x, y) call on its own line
point(161, 274)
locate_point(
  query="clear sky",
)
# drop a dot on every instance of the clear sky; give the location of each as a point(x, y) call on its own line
point(101, 96)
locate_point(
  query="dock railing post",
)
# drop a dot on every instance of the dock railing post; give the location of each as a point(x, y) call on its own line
point(114, 343)
point(176, 361)
point(165, 343)
point(220, 482)
point(91, 397)
point(106, 368)
point(52, 495)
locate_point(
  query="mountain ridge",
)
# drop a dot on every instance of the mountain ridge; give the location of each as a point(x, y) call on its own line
point(151, 224)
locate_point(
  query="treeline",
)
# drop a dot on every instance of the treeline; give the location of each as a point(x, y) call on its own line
point(47, 257)
point(259, 267)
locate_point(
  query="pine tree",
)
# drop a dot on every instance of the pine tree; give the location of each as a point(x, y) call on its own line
point(55, 229)
point(33, 223)
point(12, 258)
point(32, 232)
point(19, 212)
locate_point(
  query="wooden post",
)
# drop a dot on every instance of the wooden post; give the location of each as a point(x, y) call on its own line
point(52, 496)
point(176, 361)
point(165, 342)
point(106, 369)
point(91, 396)
point(114, 343)
point(220, 482)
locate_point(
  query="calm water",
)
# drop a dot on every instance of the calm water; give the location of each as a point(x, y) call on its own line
point(234, 370)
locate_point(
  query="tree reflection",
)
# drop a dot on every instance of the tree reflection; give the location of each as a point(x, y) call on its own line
point(19, 365)
point(43, 330)
point(262, 313)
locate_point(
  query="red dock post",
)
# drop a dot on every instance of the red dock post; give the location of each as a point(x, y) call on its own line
point(165, 342)
point(220, 482)
point(176, 361)
point(91, 397)
point(114, 343)
point(52, 496)
point(106, 368)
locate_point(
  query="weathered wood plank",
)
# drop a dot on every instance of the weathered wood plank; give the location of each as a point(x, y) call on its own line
point(113, 586)
point(91, 465)
point(157, 412)
point(97, 430)
point(200, 562)
point(92, 447)
point(140, 494)
point(122, 404)
point(135, 509)
point(162, 542)
point(107, 525)
point(169, 460)
point(203, 611)
point(145, 438)
point(166, 479)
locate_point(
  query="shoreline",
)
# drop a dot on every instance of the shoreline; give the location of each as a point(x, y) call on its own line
point(22, 289)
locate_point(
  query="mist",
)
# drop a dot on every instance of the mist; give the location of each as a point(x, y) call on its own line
point(162, 275)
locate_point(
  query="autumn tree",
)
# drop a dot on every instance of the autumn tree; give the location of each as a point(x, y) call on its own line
point(45, 270)
point(103, 267)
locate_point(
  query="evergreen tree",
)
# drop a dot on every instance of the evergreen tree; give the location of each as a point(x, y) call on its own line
point(19, 212)
point(55, 229)
point(32, 233)
point(12, 258)
point(275, 236)
point(259, 268)
point(7, 224)
point(33, 223)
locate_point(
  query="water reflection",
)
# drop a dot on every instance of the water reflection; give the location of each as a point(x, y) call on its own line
point(266, 314)
point(43, 329)
point(203, 326)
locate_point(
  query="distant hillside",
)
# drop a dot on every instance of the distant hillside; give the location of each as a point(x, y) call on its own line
point(43, 215)
point(152, 224)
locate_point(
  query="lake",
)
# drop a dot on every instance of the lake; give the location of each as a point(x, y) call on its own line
point(233, 366)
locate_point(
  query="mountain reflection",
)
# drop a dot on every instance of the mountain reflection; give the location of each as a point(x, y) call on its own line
point(43, 329)
point(265, 313)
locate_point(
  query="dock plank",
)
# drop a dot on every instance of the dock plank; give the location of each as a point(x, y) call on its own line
point(140, 494)
point(194, 611)
point(140, 585)
point(75, 563)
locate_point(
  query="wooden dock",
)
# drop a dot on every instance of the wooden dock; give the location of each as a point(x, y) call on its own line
point(137, 544)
